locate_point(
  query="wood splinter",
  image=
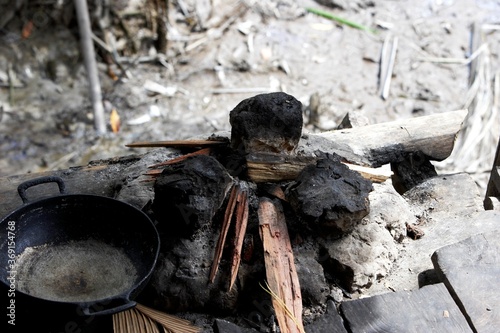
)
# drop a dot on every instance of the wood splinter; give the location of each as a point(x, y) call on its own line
point(237, 205)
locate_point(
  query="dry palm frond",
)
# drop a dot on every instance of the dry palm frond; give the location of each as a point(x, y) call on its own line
point(143, 319)
point(133, 321)
point(474, 149)
point(283, 306)
point(170, 323)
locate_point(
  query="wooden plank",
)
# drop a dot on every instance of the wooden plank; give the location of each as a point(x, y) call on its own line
point(429, 309)
point(379, 144)
point(471, 271)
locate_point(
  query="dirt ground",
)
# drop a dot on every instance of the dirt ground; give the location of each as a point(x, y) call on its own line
point(220, 52)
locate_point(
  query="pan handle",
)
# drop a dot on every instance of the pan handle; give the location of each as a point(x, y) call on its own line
point(93, 309)
point(21, 189)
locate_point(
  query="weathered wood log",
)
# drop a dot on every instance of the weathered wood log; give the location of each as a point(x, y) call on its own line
point(379, 144)
point(98, 178)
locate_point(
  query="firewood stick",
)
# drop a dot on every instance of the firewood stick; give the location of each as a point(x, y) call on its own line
point(281, 273)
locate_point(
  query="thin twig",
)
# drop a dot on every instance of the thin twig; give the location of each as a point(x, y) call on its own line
point(240, 231)
point(459, 61)
point(204, 151)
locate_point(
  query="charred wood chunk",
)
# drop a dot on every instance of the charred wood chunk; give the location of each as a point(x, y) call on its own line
point(412, 170)
point(329, 196)
point(189, 193)
point(266, 123)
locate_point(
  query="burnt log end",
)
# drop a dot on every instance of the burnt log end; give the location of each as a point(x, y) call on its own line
point(411, 170)
point(329, 196)
point(189, 193)
point(266, 123)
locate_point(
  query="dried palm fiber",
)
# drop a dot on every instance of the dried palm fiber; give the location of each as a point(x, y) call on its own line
point(476, 143)
point(143, 319)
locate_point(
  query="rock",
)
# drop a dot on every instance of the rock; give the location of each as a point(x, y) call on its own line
point(189, 193)
point(448, 209)
point(313, 286)
point(224, 326)
point(361, 257)
point(389, 209)
point(329, 196)
point(331, 321)
point(445, 196)
point(180, 280)
point(353, 119)
point(266, 123)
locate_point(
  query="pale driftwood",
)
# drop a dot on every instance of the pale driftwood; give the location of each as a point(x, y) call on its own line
point(281, 273)
point(379, 144)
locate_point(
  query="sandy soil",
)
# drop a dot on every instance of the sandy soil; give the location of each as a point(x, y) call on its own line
point(46, 118)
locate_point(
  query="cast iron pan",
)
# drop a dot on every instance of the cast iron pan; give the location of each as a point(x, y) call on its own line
point(90, 251)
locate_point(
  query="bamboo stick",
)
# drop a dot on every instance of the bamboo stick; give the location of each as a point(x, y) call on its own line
point(87, 45)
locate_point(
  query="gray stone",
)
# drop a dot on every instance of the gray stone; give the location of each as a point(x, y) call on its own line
point(313, 285)
point(361, 257)
point(448, 209)
point(224, 326)
point(368, 252)
point(330, 322)
point(389, 209)
point(189, 193)
point(180, 280)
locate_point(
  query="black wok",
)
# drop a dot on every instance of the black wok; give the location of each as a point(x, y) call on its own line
point(90, 251)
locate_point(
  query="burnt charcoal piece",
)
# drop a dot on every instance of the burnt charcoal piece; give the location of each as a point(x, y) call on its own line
point(412, 170)
point(329, 196)
point(266, 123)
point(189, 193)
